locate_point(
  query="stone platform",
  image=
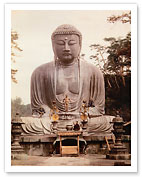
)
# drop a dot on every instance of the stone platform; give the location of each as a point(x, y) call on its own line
point(42, 145)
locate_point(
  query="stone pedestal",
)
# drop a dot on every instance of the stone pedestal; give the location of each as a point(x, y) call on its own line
point(16, 131)
point(118, 151)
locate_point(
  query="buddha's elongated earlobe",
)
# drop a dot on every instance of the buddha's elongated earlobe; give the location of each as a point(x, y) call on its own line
point(56, 60)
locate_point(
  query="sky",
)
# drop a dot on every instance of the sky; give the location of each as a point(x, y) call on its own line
point(35, 28)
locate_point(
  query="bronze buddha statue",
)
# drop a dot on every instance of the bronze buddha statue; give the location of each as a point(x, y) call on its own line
point(67, 76)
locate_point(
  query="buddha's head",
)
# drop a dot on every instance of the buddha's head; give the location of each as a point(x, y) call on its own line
point(66, 41)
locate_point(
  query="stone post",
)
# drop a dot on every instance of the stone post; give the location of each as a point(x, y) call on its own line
point(16, 132)
point(118, 151)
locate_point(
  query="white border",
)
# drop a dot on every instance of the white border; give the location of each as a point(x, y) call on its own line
point(8, 167)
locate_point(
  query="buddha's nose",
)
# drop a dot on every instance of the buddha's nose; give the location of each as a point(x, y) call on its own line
point(66, 48)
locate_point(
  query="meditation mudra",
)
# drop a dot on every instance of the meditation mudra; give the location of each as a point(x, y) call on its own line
point(67, 80)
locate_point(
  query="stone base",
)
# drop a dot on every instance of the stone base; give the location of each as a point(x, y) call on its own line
point(17, 152)
point(16, 149)
point(118, 156)
point(43, 145)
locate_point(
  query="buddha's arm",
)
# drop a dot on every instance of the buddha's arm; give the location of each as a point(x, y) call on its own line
point(36, 91)
point(97, 94)
point(42, 92)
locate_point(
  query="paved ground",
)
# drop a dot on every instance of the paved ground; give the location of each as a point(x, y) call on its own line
point(57, 160)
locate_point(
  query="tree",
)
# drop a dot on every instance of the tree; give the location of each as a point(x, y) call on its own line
point(115, 62)
point(115, 59)
point(18, 107)
point(100, 57)
point(15, 106)
point(14, 48)
point(119, 56)
point(119, 59)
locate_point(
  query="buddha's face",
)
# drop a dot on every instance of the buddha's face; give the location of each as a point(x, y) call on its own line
point(66, 47)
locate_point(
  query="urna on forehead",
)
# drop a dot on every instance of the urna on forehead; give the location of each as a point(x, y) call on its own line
point(67, 29)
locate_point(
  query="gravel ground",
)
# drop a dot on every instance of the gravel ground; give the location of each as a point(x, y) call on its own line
point(57, 160)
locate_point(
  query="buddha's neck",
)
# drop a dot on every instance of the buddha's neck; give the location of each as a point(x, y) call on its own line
point(69, 64)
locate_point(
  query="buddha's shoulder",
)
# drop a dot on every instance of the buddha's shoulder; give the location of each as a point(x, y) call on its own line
point(44, 67)
point(91, 67)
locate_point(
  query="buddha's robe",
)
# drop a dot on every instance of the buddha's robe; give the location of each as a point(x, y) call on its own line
point(46, 81)
point(83, 82)
point(41, 126)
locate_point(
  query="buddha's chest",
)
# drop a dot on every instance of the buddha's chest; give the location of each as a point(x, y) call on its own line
point(67, 81)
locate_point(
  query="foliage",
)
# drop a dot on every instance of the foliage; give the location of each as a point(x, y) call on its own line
point(119, 58)
point(18, 106)
point(119, 55)
point(114, 58)
point(124, 18)
point(14, 48)
point(118, 98)
point(100, 56)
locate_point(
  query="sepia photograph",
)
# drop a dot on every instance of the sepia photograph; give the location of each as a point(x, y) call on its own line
point(71, 70)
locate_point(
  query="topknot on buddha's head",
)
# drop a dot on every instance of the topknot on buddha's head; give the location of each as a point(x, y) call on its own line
point(67, 29)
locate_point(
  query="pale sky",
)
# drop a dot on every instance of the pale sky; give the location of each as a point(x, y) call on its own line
point(35, 29)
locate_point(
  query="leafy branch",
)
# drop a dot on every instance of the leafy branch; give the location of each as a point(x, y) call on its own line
point(14, 49)
point(124, 18)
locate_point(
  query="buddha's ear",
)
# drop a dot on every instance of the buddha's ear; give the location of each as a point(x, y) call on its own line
point(54, 51)
point(55, 57)
point(79, 52)
point(53, 47)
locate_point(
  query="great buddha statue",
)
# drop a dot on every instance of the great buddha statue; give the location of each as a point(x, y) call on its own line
point(67, 77)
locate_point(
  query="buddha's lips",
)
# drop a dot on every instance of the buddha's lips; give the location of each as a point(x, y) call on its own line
point(66, 54)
